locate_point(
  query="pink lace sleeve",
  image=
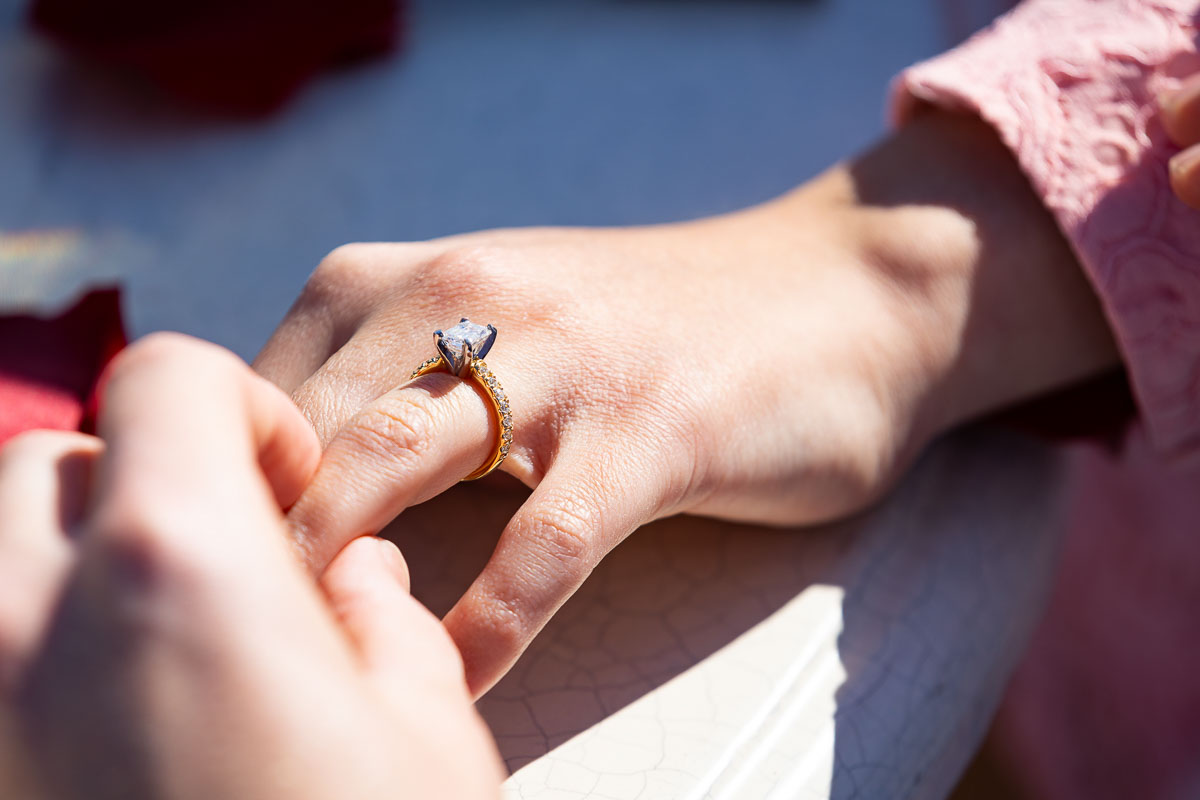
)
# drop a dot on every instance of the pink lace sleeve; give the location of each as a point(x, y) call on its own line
point(1071, 87)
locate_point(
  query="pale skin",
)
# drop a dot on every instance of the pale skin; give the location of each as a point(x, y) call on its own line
point(902, 297)
point(781, 365)
point(159, 639)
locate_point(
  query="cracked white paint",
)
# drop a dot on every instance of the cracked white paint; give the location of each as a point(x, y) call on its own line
point(753, 688)
point(686, 723)
point(875, 679)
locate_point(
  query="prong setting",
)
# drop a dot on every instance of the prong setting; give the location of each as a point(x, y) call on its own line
point(464, 343)
point(465, 359)
point(445, 351)
point(486, 346)
point(460, 351)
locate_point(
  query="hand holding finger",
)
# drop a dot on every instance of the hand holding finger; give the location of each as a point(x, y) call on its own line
point(403, 647)
point(191, 615)
point(410, 444)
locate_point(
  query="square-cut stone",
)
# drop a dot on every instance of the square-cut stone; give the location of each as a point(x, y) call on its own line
point(477, 337)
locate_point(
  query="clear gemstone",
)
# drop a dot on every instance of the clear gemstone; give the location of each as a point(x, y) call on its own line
point(468, 333)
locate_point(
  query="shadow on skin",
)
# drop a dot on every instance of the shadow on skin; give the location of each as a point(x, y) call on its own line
point(941, 585)
point(668, 597)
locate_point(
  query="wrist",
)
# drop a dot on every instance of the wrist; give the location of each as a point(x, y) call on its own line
point(988, 302)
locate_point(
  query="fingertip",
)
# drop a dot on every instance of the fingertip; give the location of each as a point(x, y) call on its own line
point(1184, 170)
point(289, 451)
point(409, 445)
point(364, 560)
point(402, 645)
point(1180, 112)
point(385, 556)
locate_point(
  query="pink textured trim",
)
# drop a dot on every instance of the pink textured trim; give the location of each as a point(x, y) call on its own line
point(1071, 87)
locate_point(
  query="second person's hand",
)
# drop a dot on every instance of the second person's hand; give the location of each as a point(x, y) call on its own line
point(159, 639)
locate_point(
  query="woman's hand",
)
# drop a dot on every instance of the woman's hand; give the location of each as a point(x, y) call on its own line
point(781, 365)
point(158, 637)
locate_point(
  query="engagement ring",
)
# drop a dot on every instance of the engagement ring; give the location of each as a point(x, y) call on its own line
point(460, 352)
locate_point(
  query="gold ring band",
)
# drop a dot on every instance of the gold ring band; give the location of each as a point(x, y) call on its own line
point(486, 380)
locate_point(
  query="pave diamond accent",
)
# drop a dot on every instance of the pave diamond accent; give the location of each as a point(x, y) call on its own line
point(426, 364)
point(487, 379)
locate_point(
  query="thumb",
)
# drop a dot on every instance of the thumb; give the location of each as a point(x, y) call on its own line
point(401, 645)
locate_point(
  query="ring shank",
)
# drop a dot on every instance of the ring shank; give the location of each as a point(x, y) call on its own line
point(483, 377)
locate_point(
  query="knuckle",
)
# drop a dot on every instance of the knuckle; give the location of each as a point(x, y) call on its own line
point(342, 262)
point(33, 445)
point(398, 431)
point(163, 349)
point(476, 270)
point(341, 273)
point(566, 532)
point(508, 628)
point(157, 347)
point(140, 546)
point(130, 545)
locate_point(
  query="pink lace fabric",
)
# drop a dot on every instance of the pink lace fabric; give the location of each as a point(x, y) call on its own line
point(1071, 86)
point(1106, 703)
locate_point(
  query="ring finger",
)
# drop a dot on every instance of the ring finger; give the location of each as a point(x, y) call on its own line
point(408, 445)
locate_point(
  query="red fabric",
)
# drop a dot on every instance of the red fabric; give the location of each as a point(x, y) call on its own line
point(239, 56)
point(49, 368)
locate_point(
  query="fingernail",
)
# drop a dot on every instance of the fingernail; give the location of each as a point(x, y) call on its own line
point(1183, 161)
point(1187, 88)
point(391, 557)
point(1165, 98)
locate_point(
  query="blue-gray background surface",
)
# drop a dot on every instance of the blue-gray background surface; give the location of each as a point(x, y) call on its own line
point(592, 112)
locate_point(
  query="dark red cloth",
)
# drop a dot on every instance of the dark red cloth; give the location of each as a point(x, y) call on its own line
point(49, 367)
point(240, 56)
